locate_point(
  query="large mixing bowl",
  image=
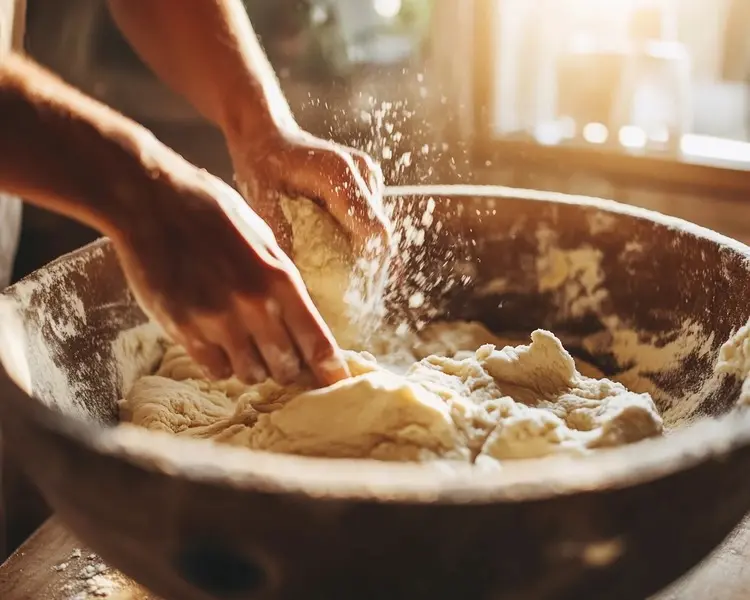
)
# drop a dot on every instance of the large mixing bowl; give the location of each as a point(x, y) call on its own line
point(647, 298)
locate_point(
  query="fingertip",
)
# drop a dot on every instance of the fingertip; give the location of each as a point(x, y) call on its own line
point(246, 361)
point(331, 370)
point(212, 358)
point(288, 367)
point(253, 373)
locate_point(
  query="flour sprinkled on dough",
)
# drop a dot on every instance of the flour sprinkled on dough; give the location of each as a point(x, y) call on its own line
point(452, 391)
point(500, 403)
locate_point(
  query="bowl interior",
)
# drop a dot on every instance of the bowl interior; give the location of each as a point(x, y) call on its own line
point(646, 298)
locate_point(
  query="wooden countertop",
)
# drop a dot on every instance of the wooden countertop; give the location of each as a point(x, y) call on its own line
point(52, 565)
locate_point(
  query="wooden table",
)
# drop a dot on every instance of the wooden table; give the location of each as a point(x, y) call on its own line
point(52, 565)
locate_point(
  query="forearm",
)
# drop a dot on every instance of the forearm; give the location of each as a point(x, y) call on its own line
point(66, 152)
point(207, 50)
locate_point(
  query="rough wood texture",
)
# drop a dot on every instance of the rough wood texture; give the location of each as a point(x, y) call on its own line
point(198, 522)
point(30, 573)
point(47, 567)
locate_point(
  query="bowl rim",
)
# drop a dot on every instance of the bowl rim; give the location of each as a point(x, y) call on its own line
point(213, 464)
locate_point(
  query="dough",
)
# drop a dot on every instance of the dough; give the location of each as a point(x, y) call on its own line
point(496, 402)
point(348, 293)
point(454, 391)
point(734, 360)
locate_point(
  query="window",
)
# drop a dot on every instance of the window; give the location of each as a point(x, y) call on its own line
point(648, 78)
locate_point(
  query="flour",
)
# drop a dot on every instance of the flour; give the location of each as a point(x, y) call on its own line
point(650, 356)
point(51, 385)
point(492, 404)
point(449, 391)
point(68, 370)
point(87, 578)
point(575, 276)
point(357, 297)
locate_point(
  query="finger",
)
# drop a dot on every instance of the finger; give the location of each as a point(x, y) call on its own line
point(332, 178)
point(272, 340)
point(209, 355)
point(311, 335)
point(246, 362)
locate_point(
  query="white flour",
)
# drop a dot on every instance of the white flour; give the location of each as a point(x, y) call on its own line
point(51, 384)
point(88, 578)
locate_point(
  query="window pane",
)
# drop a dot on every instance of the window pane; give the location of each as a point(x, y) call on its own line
point(646, 77)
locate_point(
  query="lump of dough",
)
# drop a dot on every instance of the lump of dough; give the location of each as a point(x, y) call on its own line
point(376, 415)
point(490, 405)
point(347, 292)
point(164, 404)
point(556, 408)
point(460, 339)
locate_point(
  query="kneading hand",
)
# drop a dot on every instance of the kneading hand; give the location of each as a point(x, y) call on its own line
point(210, 271)
point(289, 161)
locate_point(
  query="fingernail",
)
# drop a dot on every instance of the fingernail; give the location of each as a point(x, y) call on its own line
point(333, 370)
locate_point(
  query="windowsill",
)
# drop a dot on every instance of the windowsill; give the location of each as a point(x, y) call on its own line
point(719, 164)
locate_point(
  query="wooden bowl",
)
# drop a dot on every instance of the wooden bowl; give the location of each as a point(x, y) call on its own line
point(647, 298)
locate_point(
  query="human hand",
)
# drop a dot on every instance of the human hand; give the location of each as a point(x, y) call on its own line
point(288, 161)
point(209, 270)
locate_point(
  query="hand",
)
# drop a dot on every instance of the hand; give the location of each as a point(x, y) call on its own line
point(209, 270)
point(346, 182)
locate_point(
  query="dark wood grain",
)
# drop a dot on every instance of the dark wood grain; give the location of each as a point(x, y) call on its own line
point(30, 574)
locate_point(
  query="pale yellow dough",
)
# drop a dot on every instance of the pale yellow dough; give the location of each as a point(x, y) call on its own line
point(454, 391)
point(511, 402)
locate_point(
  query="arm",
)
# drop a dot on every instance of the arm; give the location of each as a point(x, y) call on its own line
point(207, 51)
point(65, 152)
point(203, 264)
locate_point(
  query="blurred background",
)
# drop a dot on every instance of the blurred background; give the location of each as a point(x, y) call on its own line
point(642, 101)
